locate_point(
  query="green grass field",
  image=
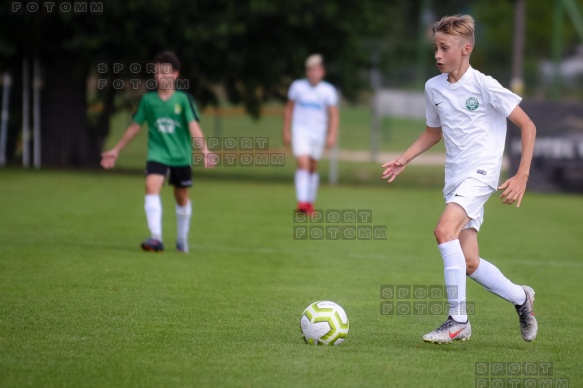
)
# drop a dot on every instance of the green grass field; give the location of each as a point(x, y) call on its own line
point(82, 306)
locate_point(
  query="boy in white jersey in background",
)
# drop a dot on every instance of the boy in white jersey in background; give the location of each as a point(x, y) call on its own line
point(469, 110)
point(312, 115)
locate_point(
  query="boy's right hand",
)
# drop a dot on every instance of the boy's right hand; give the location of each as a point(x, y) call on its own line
point(108, 159)
point(393, 168)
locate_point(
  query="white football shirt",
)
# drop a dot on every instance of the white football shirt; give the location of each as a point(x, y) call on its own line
point(472, 115)
point(310, 113)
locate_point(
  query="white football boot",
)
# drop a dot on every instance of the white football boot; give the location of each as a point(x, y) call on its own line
point(528, 324)
point(449, 331)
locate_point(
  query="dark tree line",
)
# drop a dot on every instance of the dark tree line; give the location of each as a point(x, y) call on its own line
point(252, 49)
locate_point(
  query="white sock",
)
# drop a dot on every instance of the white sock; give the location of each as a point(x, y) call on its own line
point(314, 182)
point(153, 209)
point(454, 273)
point(489, 276)
point(302, 180)
point(183, 222)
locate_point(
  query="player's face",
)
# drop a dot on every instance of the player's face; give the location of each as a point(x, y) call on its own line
point(449, 51)
point(165, 75)
point(315, 74)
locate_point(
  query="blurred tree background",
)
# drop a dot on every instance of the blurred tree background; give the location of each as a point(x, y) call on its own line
point(242, 52)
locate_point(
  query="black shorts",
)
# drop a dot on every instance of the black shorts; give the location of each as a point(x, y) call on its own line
point(180, 176)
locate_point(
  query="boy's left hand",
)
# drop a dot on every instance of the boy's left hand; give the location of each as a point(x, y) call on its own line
point(209, 159)
point(514, 189)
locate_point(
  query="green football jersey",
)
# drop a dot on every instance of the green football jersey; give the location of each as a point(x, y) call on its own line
point(168, 135)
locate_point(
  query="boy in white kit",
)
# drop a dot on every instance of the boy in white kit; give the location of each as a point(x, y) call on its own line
point(469, 110)
point(312, 114)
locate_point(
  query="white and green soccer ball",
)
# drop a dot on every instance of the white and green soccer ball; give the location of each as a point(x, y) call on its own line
point(324, 323)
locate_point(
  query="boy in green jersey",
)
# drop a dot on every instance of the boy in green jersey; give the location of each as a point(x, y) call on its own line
point(172, 121)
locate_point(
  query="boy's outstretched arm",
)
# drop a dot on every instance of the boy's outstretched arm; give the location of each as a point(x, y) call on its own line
point(196, 133)
point(515, 187)
point(108, 158)
point(428, 139)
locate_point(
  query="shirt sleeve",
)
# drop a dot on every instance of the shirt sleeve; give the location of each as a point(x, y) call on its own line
point(502, 99)
point(431, 115)
point(292, 94)
point(332, 98)
point(191, 111)
point(140, 114)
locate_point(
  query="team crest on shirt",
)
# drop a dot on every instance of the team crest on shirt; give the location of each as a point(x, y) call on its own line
point(177, 109)
point(166, 125)
point(472, 103)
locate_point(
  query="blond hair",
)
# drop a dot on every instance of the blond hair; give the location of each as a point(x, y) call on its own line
point(457, 25)
point(314, 60)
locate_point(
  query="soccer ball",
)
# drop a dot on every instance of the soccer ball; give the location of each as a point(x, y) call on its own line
point(324, 323)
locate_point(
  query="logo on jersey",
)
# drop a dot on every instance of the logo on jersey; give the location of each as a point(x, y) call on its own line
point(311, 105)
point(472, 103)
point(177, 109)
point(166, 125)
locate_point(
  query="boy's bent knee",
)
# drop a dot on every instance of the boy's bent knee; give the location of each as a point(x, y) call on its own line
point(445, 233)
point(471, 266)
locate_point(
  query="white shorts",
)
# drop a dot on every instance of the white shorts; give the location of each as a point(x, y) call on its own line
point(471, 195)
point(305, 143)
